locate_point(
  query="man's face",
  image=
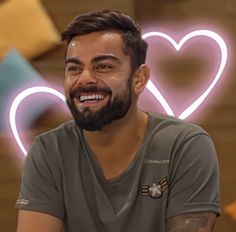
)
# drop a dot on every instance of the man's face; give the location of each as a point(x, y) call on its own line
point(98, 80)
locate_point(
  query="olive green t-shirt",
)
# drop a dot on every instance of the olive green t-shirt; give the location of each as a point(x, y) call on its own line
point(174, 172)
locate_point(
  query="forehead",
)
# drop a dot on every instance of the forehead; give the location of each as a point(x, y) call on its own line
point(95, 44)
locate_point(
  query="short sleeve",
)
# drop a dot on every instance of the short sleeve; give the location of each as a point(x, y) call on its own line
point(194, 178)
point(39, 190)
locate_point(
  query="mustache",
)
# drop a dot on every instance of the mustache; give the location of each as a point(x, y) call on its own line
point(88, 89)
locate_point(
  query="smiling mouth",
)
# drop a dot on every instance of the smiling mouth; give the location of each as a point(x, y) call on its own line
point(89, 99)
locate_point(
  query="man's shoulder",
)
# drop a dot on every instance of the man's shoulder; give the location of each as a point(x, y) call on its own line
point(174, 126)
point(66, 129)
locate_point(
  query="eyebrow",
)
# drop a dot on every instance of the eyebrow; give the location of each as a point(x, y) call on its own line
point(73, 60)
point(94, 60)
point(106, 57)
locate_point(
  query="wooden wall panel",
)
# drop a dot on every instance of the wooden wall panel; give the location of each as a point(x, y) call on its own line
point(9, 180)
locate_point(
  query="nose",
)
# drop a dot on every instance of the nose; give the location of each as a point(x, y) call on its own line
point(87, 77)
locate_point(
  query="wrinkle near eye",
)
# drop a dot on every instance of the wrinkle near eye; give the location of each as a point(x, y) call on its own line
point(72, 69)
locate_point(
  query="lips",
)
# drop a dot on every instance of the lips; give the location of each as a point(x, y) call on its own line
point(90, 97)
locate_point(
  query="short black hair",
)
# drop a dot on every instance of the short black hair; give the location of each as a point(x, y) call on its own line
point(112, 20)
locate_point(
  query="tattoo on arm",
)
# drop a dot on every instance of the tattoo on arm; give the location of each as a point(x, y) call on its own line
point(195, 222)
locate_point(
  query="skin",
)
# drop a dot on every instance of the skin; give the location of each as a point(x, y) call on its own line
point(98, 59)
point(197, 222)
point(29, 221)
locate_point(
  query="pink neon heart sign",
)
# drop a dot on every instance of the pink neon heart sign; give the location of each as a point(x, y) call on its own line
point(195, 104)
point(17, 101)
point(150, 86)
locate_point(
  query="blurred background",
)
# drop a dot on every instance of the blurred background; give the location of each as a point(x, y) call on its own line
point(33, 27)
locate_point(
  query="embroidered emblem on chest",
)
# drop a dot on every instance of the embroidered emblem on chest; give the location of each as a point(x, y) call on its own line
point(156, 189)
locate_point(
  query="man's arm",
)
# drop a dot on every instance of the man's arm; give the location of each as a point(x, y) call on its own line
point(195, 222)
point(29, 221)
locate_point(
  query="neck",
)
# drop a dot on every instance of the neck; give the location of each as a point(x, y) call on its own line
point(130, 127)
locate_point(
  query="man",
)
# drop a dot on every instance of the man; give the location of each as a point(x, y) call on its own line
point(116, 168)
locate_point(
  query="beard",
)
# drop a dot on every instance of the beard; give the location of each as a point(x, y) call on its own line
point(115, 109)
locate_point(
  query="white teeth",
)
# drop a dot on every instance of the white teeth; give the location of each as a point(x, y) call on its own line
point(91, 97)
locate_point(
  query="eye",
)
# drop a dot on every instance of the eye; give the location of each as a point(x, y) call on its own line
point(103, 67)
point(74, 69)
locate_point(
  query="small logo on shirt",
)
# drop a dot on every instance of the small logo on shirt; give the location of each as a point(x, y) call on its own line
point(156, 190)
point(152, 161)
point(22, 202)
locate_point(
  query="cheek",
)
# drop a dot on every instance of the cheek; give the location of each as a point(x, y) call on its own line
point(121, 89)
point(68, 84)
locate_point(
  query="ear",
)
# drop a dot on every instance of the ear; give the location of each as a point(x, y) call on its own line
point(141, 78)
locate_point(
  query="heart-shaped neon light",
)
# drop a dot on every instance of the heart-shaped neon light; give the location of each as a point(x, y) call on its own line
point(193, 106)
point(150, 86)
point(17, 101)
